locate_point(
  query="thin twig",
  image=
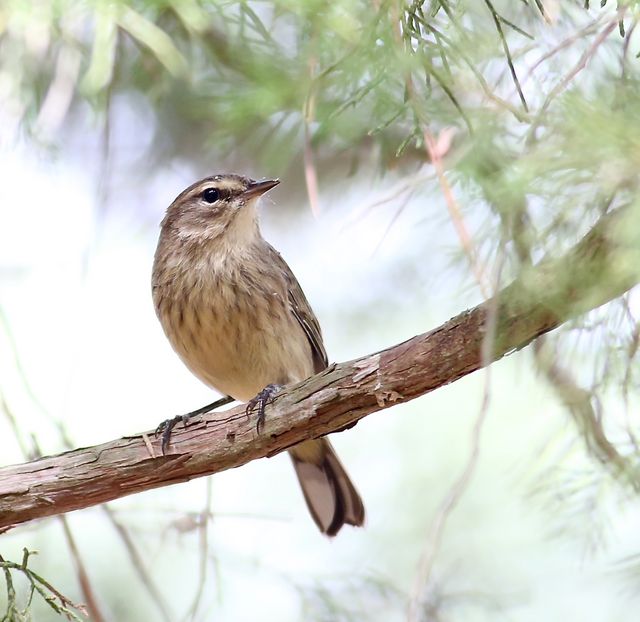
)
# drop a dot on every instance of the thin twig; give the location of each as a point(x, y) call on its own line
point(203, 527)
point(484, 85)
point(17, 361)
point(507, 51)
point(452, 498)
point(42, 586)
point(625, 48)
point(392, 222)
point(542, 11)
point(585, 410)
point(576, 36)
point(139, 565)
point(455, 213)
point(310, 173)
point(83, 577)
point(407, 184)
point(563, 83)
point(13, 423)
point(517, 28)
point(632, 352)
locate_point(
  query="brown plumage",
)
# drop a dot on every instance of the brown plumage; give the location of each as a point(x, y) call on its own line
point(238, 318)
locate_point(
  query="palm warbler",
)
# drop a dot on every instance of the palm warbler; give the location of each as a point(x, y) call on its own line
point(237, 317)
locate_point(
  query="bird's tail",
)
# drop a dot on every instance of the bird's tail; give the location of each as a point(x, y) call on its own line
point(331, 497)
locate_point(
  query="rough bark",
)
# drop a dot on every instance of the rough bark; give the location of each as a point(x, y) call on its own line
point(602, 266)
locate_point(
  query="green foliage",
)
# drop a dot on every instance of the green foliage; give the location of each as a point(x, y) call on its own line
point(59, 603)
point(360, 73)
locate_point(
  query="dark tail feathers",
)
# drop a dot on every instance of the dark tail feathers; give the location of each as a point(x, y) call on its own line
point(331, 498)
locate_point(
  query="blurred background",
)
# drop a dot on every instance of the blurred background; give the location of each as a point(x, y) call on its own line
point(428, 152)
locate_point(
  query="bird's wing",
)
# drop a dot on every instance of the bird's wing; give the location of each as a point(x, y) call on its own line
point(302, 311)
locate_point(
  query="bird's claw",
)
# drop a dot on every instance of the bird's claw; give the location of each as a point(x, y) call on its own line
point(259, 403)
point(166, 428)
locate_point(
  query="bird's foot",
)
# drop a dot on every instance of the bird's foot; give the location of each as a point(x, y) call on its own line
point(166, 427)
point(259, 403)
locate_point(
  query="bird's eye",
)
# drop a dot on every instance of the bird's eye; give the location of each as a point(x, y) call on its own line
point(211, 195)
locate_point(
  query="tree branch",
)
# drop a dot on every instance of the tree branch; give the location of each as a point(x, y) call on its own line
point(602, 266)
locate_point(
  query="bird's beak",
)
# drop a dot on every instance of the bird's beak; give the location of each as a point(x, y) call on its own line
point(258, 188)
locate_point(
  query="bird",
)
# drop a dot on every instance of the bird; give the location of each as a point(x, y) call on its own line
point(236, 315)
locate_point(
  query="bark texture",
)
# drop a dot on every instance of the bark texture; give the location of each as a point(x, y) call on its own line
point(602, 266)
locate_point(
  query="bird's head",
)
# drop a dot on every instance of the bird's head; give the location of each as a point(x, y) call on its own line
point(220, 205)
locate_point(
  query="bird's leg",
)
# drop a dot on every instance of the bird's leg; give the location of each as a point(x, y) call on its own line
point(166, 427)
point(260, 401)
